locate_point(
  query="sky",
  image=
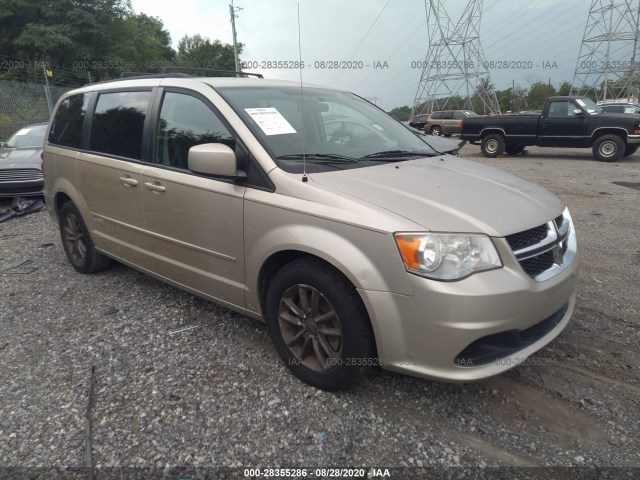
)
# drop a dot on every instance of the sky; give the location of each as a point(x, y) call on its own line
point(385, 40)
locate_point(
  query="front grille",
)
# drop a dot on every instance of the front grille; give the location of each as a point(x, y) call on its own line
point(525, 239)
point(541, 249)
point(536, 265)
point(500, 345)
point(20, 175)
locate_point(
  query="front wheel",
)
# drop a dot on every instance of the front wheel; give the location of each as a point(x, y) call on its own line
point(492, 145)
point(318, 324)
point(609, 148)
point(77, 242)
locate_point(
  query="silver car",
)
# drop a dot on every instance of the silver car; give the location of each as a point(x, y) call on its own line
point(21, 162)
point(356, 242)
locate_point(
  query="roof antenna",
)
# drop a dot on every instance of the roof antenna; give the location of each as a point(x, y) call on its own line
point(304, 158)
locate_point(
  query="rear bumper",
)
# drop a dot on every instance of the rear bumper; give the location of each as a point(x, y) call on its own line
point(633, 139)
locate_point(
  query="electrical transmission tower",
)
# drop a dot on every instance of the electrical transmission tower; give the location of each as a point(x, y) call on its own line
point(454, 74)
point(607, 65)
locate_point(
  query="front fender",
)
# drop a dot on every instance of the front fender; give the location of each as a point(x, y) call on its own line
point(369, 259)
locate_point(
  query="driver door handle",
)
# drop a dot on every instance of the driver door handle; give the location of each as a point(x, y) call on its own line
point(128, 181)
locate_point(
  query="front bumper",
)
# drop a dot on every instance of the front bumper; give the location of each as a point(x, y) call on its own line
point(443, 330)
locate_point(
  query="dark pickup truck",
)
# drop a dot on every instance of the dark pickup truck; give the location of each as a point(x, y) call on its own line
point(573, 122)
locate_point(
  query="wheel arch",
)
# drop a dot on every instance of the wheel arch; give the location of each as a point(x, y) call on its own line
point(602, 131)
point(489, 130)
point(64, 192)
point(275, 262)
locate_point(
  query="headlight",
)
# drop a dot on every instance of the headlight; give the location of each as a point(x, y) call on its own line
point(447, 256)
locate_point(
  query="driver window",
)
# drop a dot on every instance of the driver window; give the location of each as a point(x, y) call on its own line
point(561, 109)
point(186, 121)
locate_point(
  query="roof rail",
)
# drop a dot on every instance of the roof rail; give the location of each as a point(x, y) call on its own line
point(196, 69)
point(147, 75)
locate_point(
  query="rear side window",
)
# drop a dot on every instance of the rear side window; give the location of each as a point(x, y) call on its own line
point(186, 121)
point(448, 115)
point(436, 115)
point(66, 128)
point(118, 122)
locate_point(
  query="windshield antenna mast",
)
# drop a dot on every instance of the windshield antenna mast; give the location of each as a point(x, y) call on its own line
point(304, 157)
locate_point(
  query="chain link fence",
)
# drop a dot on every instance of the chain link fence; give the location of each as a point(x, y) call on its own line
point(24, 103)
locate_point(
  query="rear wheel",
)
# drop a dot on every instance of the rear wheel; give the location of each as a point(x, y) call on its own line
point(608, 148)
point(630, 150)
point(318, 324)
point(492, 145)
point(436, 131)
point(77, 242)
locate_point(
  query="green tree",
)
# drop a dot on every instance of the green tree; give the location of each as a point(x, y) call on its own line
point(538, 93)
point(481, 98)
point(201, 52)
point(105, 37)
point(565, 88)
point(401, 113)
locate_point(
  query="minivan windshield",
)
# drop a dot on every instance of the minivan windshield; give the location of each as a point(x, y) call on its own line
point(330, 129)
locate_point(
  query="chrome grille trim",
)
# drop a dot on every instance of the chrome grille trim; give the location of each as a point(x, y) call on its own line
point(560, 240)
point(20, 175)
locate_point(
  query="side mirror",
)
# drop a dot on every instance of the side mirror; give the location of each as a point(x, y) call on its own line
point(3, 144)
point(577, 112)
point(213, 159)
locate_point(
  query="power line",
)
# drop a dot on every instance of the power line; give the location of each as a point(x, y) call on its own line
point(362, 41)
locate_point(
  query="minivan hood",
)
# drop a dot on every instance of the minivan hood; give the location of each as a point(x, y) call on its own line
point(449, 194)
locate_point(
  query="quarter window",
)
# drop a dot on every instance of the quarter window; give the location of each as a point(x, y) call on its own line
point(118, 123)
point(186, 121)
point(66, 128)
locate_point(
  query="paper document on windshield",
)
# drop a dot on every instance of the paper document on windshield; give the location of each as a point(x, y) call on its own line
point(270, 121)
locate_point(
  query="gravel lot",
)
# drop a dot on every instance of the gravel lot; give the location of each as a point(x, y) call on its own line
point(183, 382)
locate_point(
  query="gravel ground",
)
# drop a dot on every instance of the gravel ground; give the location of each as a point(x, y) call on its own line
point(180, 382)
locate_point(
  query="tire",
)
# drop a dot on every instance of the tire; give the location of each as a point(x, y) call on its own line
point(512, 149)
point(306, 346)
point(608, 148)
point(492, 145)
point(77, 242)
point(436, 131)
point(630, 150)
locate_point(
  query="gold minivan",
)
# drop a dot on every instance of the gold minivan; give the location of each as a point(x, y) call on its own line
point(310, 208)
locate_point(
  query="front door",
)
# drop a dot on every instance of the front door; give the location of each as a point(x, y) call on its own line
point(194, 222)
point(562, 126)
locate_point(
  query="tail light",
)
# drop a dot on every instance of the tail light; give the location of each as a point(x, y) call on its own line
point(42, 161)
point(461, 124)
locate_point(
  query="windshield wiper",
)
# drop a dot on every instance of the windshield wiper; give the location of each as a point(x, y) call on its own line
point(396, 154)
point(325, 157)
